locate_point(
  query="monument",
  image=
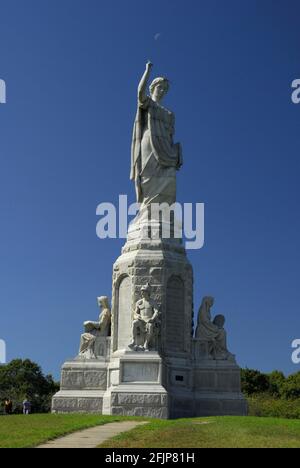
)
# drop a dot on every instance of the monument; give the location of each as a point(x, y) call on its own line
point(142, 357)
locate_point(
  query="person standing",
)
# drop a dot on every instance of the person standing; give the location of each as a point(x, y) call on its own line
point(26, 406)
point(8, 406)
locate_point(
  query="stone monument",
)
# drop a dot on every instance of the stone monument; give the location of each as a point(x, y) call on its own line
point(148, 361)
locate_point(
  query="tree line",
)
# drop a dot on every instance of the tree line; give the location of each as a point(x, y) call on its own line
point(21, 379)
point(274, 384)
point(24, 379)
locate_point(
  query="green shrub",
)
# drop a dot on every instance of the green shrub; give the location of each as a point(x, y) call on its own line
point(291, 387)
point(253, 382)
point(266, 406)
point(274, 384)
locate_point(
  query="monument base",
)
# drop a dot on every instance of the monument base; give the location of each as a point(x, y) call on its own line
point(135, 383)
point(180, 377)
point(135, 386)
point(222, 404)
point(191, 405)
point(83, 384)
point(80, 401)
point(204, 387)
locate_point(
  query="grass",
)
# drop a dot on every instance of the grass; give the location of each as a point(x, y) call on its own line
point(218, 432)
point(29, 431)
point(212, 432)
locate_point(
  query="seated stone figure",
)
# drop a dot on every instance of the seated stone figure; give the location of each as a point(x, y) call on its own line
point(212, 332)
point(146, 322)
point(93, 330)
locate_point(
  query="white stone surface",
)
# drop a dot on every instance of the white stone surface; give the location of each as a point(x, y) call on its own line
point(90, 341)
point(123, 309)
point(140, 372)
point(146, 323)
point(155, 158)
point(186, 377)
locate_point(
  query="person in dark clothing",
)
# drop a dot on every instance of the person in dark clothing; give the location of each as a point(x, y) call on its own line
point(26, 407)
point(8, 406)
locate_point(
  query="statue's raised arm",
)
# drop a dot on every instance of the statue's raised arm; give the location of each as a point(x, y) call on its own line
point(142, 89)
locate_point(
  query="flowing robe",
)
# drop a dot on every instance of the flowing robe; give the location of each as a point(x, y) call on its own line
point(154, 156)
point(92, 331)
point(208, 331)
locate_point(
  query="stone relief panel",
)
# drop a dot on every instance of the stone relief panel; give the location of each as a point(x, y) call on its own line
point(124, 312)
point(140, 372)
point(174, 320)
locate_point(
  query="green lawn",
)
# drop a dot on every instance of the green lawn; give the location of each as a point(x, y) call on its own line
point(212, 432)
point(29, 431)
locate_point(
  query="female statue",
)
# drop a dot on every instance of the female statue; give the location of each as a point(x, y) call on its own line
point(93, 330)
point(212, 331)
point(155, 158)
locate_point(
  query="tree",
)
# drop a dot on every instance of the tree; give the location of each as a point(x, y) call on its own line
point(276, 382)
point(24, 378)
point(291, 387)
point(254, 381)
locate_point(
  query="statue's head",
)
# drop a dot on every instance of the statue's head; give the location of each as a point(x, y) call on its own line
point(159, 88)
point(146, 290)
point(219, 321)
point(103, 302)
point(208, 300)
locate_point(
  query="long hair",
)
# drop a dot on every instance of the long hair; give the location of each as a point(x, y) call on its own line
point(206, 304)
point(156, 81)
point(103, 301)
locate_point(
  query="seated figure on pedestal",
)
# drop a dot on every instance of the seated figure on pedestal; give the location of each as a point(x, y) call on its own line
point(212, 333)
point(93, 330)
point(146, 321)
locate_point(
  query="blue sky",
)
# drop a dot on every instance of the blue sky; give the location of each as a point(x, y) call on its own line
point(71, 69)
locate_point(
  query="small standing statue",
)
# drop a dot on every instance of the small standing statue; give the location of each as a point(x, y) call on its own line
point(95, 329)
point(145, 321)
point(212, 332)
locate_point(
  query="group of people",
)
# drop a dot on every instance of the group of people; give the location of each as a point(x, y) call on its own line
point(8, 406)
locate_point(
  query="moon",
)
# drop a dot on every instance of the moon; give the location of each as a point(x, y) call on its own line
point(157, 36)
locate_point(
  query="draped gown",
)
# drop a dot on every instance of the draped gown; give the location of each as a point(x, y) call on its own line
point(155, 158)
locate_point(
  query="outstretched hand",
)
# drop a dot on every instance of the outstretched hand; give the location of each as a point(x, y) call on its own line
point(149, 65)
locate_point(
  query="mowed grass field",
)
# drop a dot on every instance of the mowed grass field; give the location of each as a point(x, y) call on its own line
point(217, 432)
point(29, 431)
point(212, 432)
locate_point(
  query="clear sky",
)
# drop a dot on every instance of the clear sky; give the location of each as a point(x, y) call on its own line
point(71, 69)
